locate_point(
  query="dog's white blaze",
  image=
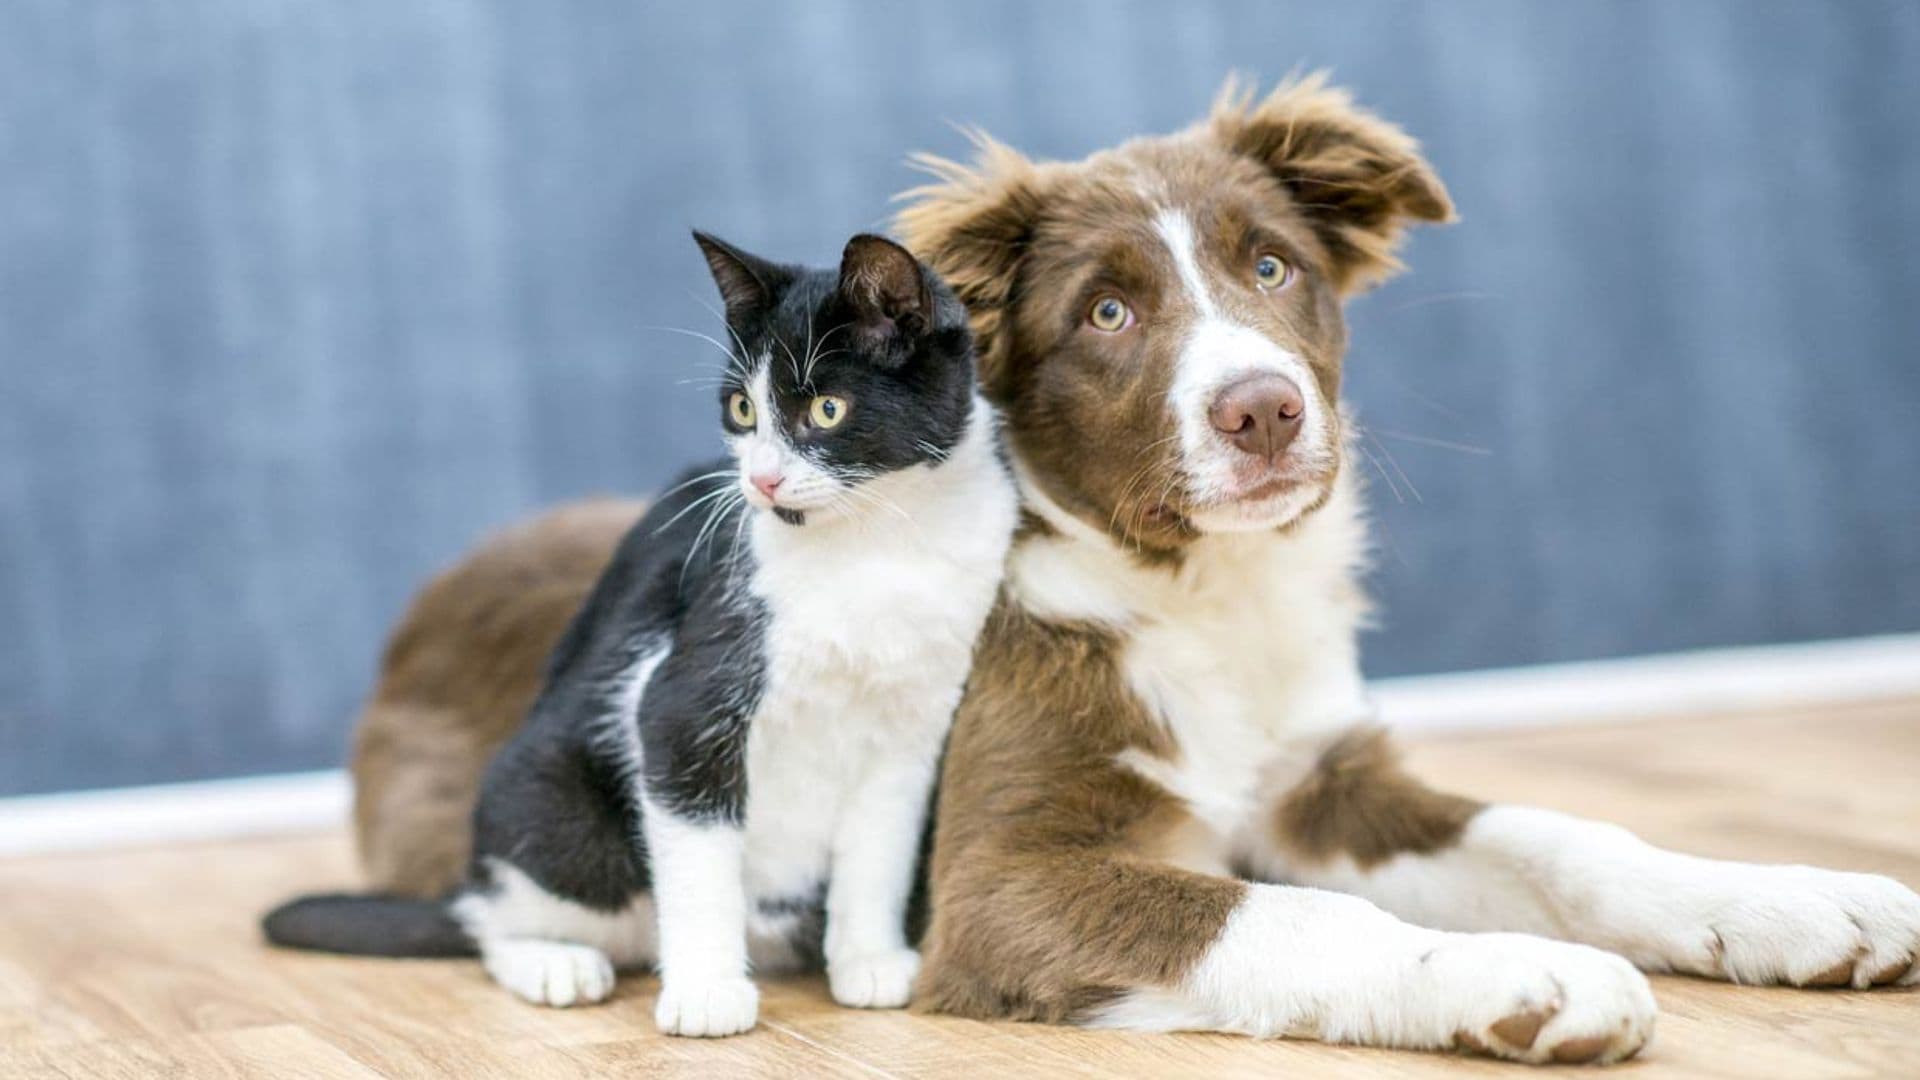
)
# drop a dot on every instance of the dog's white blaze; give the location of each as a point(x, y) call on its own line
point(1177, 231)
point(1217, 352)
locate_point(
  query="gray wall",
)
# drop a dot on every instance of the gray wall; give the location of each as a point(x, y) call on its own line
point(296, 299)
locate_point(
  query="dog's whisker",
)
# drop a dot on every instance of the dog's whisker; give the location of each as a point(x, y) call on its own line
point(1428, 440)
point(1391, 460)
point(1444, 298)
point(1381, 469)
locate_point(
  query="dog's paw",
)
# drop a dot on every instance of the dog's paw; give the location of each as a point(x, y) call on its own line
point(1803, 927)
point(1530, 999)
point(881, 980)
point(707, 1008)
point(555, 973)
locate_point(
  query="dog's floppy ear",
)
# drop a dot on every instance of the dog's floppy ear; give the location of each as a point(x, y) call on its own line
point(1358, 179)
point(887, 293)
point(972, 225)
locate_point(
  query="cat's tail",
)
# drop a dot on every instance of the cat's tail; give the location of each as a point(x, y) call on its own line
point(368, 925)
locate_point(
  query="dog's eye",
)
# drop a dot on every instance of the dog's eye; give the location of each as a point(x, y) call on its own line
point(740, 410)
point(1271, 271)
point(827, 411)
point(1111, 314)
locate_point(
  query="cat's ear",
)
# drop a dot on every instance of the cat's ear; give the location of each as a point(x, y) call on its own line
point(885, 289)
point(748, 284)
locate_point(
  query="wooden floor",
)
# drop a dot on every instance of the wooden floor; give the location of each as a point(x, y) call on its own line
point(147, 963)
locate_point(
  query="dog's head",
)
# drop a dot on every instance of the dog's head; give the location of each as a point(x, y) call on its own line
point(1161, 322)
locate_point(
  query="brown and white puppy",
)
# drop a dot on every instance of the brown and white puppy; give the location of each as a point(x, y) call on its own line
point(1165, 804)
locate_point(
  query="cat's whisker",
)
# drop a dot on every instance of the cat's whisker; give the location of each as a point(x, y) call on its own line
point(806, 376)
point(875, 499)
point(704, 535)
point(735, 363)
point(697, 503)
point(814, 355)
point(742, 356)
point(689, 482)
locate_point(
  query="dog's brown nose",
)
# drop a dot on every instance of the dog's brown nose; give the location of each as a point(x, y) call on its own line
point(1260, 414)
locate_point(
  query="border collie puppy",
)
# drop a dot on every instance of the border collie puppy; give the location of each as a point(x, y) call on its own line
point(731, 760)
point(1166, 801)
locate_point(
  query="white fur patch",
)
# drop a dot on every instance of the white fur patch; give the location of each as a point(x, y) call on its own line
point(1177, 231)
point(1518, 868)
point(1307, 963)
point(1218, 352)
point(554, 973)
point(1246, 652)
point(519, 909)
point(707, 1008)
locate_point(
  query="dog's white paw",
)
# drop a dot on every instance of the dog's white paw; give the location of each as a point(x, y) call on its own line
point(1534, 1000)
point(1798, 925)
point(881, 980)
point(707, 1008)
point(555, 973)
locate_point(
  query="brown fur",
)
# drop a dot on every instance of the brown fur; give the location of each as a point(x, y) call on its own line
point(1052, 889)
point(1029, 246)
point(1045, 906)
point(458, 675)
point(1359, 802)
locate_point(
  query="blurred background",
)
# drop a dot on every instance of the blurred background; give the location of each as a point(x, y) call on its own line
point(298, 299)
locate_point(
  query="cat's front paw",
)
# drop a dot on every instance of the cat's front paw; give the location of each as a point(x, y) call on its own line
point(707, 1008)
point(1805, 927)
point(878, 980)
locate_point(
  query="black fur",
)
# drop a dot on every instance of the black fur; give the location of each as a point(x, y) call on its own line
point(556, 802)
point(367, 926)
point(903, 350)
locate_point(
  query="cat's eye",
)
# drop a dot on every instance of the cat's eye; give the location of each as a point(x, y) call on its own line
point(740, 410)
point(827, 411)
point(1110, 313)
point(1271, 271)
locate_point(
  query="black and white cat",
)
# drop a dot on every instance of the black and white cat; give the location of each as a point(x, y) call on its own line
point(731, 763)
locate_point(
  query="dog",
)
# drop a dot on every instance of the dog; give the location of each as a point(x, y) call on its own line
point(1166, 802)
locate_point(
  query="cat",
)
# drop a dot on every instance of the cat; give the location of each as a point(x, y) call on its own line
point(731, 762)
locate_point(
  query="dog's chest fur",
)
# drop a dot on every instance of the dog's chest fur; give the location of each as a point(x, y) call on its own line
point(1245, 655)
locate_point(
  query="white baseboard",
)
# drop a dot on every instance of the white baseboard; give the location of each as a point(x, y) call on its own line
point(1755, 678)
point(172, 813)
point(1746, 679)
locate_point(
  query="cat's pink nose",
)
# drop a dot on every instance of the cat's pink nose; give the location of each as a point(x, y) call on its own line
point(768, 483)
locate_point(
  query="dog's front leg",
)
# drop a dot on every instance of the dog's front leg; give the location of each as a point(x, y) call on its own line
point(1309, 963)
point(1359, 824)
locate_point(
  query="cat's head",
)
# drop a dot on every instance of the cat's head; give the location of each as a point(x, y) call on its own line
point(840, 377)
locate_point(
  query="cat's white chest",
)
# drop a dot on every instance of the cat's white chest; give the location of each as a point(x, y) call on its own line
point(867, 644)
